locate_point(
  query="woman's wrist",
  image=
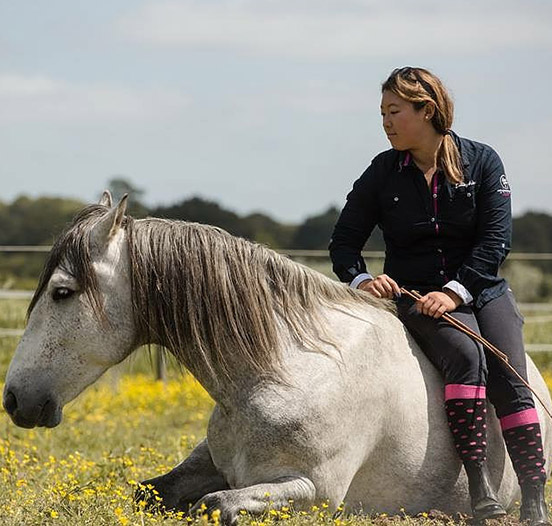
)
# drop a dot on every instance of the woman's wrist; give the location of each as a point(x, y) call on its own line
point(361, 278)
point(454, 297)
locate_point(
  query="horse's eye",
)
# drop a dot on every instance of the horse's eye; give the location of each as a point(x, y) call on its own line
point(62, 293)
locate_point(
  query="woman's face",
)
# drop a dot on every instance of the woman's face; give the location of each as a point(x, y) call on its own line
point(405, 127)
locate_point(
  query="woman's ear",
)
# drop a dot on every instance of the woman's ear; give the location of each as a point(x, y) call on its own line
point(429, 111)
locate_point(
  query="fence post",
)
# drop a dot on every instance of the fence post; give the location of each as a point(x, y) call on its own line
point(160, 365)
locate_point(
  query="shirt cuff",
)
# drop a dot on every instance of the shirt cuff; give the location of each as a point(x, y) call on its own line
point(460, 290)
point(359, 279)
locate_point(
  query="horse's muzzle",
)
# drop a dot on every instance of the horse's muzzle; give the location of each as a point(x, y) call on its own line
point(31, 411)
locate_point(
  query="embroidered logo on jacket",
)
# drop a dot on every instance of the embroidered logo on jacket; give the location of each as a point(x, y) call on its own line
point(505, 190)
point(463, 184)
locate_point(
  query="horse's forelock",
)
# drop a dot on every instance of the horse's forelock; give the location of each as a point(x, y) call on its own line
point(71, 252)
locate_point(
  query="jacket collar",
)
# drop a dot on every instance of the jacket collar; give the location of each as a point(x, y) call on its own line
point(463, 153)
point(405, 158)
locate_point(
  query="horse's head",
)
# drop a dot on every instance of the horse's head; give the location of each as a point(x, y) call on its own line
point(80, 320)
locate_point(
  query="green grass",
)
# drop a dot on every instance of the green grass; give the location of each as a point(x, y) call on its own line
point(12, 313)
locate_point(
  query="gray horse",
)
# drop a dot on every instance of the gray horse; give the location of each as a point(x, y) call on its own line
point(321, 395)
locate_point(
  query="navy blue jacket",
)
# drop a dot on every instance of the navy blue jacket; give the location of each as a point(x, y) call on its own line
point(462, 232)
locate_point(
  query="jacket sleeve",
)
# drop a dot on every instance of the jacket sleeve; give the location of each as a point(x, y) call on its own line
point(493, 232)
point(354, 225)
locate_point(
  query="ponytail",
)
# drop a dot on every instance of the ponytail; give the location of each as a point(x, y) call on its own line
point(448, 159)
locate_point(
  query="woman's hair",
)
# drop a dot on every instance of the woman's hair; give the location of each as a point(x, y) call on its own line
point(419, 86)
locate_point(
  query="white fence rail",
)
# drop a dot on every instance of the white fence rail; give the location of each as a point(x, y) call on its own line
point(294, 253)
point(307, 254)
point(25, 248)
point(8, 294)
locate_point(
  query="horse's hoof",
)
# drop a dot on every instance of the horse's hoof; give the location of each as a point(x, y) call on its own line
point(145, 499)
point(217, 502)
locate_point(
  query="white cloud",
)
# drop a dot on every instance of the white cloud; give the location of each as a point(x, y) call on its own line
point(323, 29)
point(39, 98)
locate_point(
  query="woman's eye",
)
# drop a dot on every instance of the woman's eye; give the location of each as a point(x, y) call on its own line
point(62, 293)
point(393, 112)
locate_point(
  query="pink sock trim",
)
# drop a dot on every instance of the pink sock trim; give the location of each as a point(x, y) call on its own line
point(528, 416)
point(453, 391)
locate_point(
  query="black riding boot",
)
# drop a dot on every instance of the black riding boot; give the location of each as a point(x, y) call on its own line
point(533, 506)
point(484, 502)
point(523, 437)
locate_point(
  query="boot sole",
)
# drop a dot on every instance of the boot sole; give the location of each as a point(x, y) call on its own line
point(493, 513)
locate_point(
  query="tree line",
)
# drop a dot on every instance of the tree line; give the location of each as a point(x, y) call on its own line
point(38, 221)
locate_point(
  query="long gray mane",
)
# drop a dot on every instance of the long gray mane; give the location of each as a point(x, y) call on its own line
point(214, 300)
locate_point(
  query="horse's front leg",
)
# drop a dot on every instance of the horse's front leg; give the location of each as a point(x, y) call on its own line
point(184, 485)
point(257, 499)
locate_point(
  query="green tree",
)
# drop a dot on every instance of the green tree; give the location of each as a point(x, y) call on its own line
point(532, 232)
point(265, 230)
point(203, 211)
point(315, 232)
point(37, 221)
point(28, 221)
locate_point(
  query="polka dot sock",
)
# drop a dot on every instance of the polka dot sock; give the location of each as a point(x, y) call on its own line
point(466, 414)
point(522, 434)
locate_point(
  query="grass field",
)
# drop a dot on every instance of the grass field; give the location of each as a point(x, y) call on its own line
point(126, 428)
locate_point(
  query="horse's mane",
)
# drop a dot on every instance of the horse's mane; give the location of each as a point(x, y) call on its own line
point(214, 300)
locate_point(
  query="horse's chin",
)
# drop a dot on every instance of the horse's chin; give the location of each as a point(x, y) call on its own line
point(54, 420)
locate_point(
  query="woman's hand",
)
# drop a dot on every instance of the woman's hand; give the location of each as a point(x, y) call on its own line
point(381, 287)
point(435, 304)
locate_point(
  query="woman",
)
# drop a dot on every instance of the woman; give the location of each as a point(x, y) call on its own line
point(443, 204)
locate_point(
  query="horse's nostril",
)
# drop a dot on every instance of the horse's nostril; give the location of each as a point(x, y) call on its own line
point(10, 403)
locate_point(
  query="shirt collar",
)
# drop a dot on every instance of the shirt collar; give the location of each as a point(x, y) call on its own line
point(405, 159)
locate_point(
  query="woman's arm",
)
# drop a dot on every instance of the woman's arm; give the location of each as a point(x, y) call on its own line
point(354, 225)
point(493, 233)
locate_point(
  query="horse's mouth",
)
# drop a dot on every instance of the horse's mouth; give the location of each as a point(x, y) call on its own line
point(47, 414)
point(45, 420)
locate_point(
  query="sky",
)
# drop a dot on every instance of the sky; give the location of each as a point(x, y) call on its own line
point(259, 105)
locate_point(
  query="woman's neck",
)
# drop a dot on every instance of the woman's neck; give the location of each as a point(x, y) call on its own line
point(425, 154)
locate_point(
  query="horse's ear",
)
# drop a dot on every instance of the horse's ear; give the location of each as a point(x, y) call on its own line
point(105, 199)
point(108, 226)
